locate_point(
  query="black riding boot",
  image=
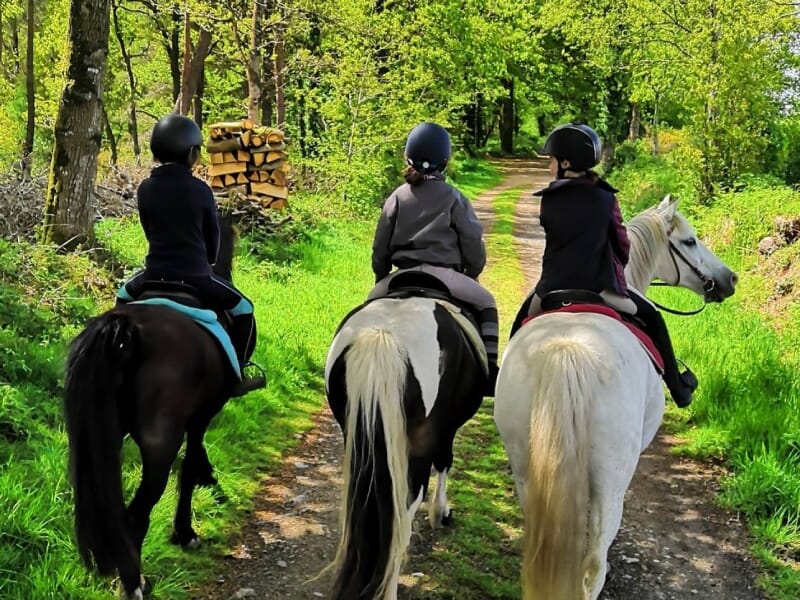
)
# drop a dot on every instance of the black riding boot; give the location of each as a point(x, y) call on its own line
point(243, 336)
point(680, 385)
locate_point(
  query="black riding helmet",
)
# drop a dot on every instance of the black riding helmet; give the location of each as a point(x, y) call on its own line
point(579, 144)
point(428, 148)
point(176, 139)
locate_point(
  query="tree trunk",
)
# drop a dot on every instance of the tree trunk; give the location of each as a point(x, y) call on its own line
point(656, 148)
point(78, 130)
point(174, 52)
point(112, 140)
point(198, 98)
point(507, 118)
point(255, 61)
point(634, 131)
point(193, 61)
point(15, 45)
point(267, 105)
point(30, 91)
point(280, 63)
point(133, 125)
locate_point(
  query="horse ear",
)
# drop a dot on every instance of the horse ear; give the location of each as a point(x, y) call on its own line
point(668, 207)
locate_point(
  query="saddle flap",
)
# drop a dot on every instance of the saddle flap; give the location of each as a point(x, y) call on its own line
point(470, 330)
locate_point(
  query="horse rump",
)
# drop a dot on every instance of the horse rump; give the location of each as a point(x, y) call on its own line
point(98, 365)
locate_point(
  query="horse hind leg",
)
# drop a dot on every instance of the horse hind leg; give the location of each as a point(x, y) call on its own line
point(156, 462)
point(439, 512)
point(195, 471)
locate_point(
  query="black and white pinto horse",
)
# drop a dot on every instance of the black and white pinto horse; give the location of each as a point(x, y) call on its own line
point(401, 378)
point(577, 402)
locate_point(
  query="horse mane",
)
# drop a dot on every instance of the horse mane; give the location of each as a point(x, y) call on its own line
point(647, 234)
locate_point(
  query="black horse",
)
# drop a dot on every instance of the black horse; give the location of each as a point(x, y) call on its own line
point(150, 372)
point(402, 377)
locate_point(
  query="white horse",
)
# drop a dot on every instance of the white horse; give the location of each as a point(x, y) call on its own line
point(577, 402)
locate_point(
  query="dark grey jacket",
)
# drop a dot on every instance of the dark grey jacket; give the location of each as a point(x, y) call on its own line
point(428, 223)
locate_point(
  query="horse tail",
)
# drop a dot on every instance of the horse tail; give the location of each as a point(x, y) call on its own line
point(557, 500)
point(374, 519)
point(98, 361)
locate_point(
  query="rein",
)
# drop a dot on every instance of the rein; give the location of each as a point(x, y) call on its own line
point(708, 283)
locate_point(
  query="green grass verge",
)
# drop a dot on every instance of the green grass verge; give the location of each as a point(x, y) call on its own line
point(745, 354)
point(313, 276)
point(479, 557)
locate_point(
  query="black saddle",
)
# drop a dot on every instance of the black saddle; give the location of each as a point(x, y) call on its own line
point(179, 292)
point(560, 298)
point(417, 284)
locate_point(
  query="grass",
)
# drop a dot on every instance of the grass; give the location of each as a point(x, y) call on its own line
point(745, 353)
point(479, 557)
point(301, 283)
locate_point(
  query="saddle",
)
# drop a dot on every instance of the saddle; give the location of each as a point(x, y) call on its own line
point(180, 293)
point(585, 301)
point(416, 284)
point(184, 299)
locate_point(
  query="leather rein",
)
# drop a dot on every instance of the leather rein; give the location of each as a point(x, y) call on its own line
point(708, 284)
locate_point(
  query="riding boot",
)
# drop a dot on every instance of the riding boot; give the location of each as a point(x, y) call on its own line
point(243, 336)
point(680, 385)
point(490, 334)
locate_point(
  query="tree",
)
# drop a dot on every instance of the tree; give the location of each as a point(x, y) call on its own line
point(133, 125)
point(30, 91)
point(78, 130)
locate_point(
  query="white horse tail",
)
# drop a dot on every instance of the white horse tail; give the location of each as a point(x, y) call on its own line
point(565, 372)
point(374, 519)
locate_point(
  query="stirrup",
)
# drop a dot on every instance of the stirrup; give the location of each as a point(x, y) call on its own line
point(249, 384)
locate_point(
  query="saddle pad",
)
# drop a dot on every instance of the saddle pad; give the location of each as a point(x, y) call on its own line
point(206, 319)
point(644, 339)
point(469, 329)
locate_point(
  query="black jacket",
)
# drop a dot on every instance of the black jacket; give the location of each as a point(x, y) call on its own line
point(578, 217)
point(179, 217)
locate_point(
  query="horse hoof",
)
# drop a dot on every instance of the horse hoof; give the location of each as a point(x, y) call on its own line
point(447, 520)
point(147, 586)
point(220, 497)
point(188, 542)
point(209, 481)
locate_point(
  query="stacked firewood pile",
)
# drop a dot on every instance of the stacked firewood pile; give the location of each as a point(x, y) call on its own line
point(249, 160)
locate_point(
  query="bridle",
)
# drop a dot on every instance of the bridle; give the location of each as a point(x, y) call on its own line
point(709, 285)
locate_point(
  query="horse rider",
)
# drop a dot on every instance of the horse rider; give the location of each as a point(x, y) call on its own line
point(586, 245)
point(428, 225)
point(179, 217)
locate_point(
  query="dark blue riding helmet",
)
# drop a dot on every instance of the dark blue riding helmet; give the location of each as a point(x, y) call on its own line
point(174, 138)
point(428, 148)
point(579, 144)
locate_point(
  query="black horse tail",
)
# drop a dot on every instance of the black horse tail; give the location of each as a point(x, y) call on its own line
point(99, 362)
point(375, 518)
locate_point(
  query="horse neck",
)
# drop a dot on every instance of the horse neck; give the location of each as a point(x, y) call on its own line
point(647, 238)
point(227, 242)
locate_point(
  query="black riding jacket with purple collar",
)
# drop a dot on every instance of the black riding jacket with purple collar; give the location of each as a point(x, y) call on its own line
point(586, 244)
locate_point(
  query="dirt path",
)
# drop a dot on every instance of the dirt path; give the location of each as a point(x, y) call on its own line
point(674, 543)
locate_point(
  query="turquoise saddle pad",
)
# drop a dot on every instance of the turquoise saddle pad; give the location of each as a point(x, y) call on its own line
point(206, 319)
